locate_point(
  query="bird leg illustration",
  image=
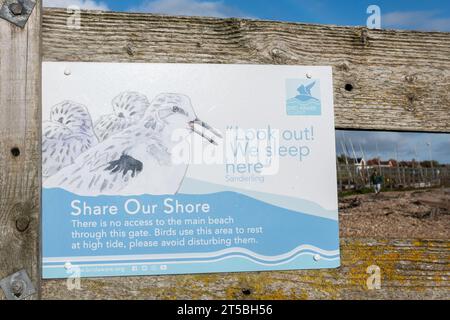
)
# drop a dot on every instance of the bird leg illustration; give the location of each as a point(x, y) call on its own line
point(206, 126)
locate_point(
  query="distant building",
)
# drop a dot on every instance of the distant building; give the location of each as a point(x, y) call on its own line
point(377, 163)
point(360, 162)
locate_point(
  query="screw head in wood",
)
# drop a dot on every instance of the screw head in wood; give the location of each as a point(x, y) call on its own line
point(411, 100)
point(365, 36)
point(130, 49)
point(17, 12)
point(17, 287)
point(16, 8)
point(410, 78)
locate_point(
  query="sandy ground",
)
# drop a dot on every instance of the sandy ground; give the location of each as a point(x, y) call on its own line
point(421, 214)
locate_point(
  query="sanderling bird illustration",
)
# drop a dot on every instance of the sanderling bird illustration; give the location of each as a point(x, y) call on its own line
point(67, 134)
point(138, 159)
point(128, 109)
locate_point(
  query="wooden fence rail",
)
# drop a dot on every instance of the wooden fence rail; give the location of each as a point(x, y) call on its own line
point(351, 176)
point(383, 80)
point(408, 269)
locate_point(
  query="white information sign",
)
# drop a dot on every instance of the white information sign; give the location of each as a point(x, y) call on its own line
point(187, 168)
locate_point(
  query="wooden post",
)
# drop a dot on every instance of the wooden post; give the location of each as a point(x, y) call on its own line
point(20, 123)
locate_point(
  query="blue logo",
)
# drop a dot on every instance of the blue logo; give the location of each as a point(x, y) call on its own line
point(303, 97)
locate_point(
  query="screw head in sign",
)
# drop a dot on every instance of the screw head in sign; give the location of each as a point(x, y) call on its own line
point(316, 257)
point(308, 75)
point(67, 265)
point(67, 72)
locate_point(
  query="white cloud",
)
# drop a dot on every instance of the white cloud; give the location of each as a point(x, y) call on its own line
point(419, 20)
point(82, 4)
point(190, 8)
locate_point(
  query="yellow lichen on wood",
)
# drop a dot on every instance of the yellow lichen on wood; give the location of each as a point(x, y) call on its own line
point(418, 269)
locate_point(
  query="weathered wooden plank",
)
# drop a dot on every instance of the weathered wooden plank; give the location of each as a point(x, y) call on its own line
point(408, 269)
point(20, 109)
point(399, 80)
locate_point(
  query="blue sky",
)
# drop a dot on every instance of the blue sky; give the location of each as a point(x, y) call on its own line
point(427, 15)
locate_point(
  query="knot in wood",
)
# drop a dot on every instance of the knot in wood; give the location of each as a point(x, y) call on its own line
point(279, 55)
point(22, 223)
point(275, 52)
point(344, 66)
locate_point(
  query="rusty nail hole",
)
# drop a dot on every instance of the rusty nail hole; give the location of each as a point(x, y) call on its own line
point(15, 152)
point(247, 292)
point(349, 87)
point(22, 224)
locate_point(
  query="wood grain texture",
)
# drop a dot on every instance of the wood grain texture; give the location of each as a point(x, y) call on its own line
point(20, 123)
point(408, 269)
point(400, 79)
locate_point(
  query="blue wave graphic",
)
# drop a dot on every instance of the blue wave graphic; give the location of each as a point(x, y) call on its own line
point(227, 264)
point(304, 106)
point(327, 255)
point(195, 186)
point(287, 236)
